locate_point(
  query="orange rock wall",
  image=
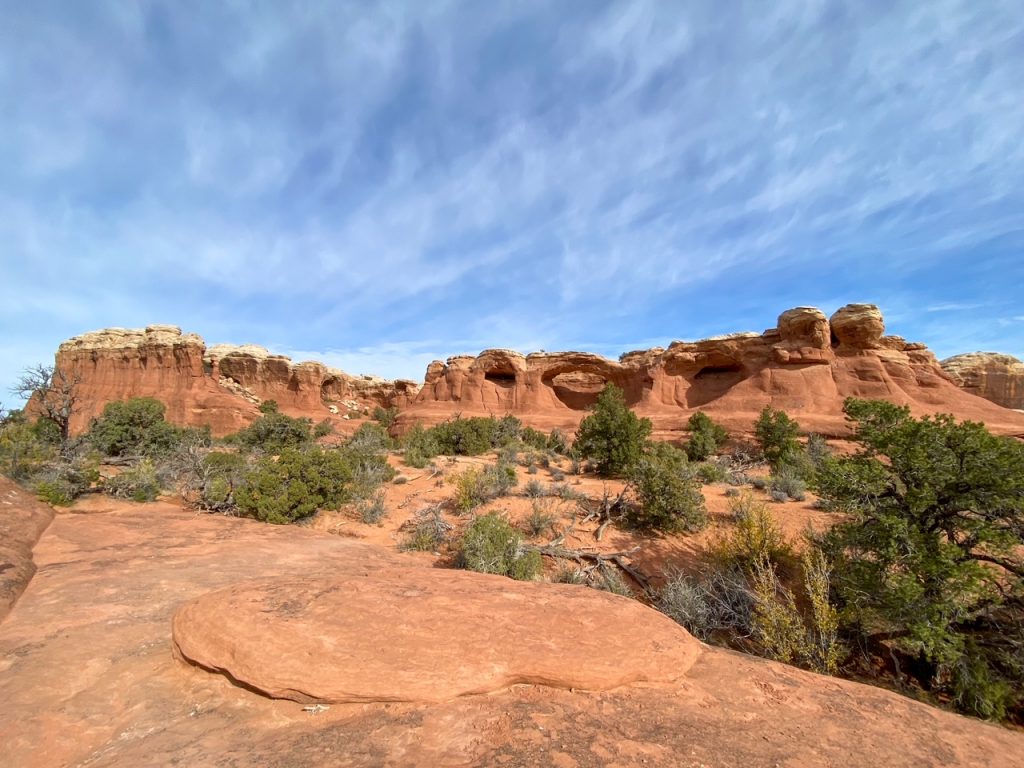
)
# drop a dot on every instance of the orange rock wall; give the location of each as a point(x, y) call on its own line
point(806, 366)
point(221, 387)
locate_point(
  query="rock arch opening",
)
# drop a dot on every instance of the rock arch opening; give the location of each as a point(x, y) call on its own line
point(577, 390)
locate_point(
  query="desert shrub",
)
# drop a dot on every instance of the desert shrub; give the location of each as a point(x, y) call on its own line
point(777, 435)
point(754, 537)
point(215, 479)
point(531, 469)
point(779, 497)
point(419, 447)
point(540, 520)
point(706, 437)
point(565, 492)
point(611, 580)
point(428, 531)
point(62, 480)
point(296, 485)
point(385, 416)
point(268, 406)
point(24, 451)
point(534, 489)
point(779, 627)
point(786, 482)
point(817, 449)
point(476, 486)
point(365, 452)
point(558, 475)
point(668, 496)
point(491, 545)
point(929, 550)
point(760, 483)
point(274, 432)
point(506, 430)
point(569, 575)
point(139, 483)
point(372, 510)
point(558, 442)
point(323, 429)
point(465, 437)
point(737, 478)
point(135, 427)
point(612, 436)
point(400, 480)
point(721, 601)
point(732, 492)
point(534, 438)
point(709, 472)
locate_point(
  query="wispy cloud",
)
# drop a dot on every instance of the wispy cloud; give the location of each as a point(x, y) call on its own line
point(348, 177)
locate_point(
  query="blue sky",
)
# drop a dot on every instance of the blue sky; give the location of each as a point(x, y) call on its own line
point(382, 184)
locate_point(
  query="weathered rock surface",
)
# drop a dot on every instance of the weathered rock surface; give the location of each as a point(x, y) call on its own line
point(996, 377)
point(807, 366)
point(427, 636)
point(88, 675)
point(220, 386)
point(22, 521)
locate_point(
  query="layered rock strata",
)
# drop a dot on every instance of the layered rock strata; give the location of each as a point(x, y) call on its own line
point(996, 377)
point(221, 386)
point(807, 365)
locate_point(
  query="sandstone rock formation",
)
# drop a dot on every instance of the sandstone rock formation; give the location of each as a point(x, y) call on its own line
point(22, 521)
point(88, 675)
point(807, 366)
point(367, 633)
point(996, 377)
point(220, 386)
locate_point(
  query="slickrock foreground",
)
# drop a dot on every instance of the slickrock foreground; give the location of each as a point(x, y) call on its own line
point(89, 675)
point(426, 635)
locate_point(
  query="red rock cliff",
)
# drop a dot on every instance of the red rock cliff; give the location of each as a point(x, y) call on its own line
point(221, 386)
point(807, 365)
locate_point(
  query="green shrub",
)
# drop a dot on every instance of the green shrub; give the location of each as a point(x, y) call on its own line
point(134, 427)
point(274, 432)
point(706, 437)
point(23, 451)
point(296, 485)
point(928, 552)
point(322, 429)
point(57, 492)
point(491, 545)
point(669, 498)
point(777, 435)
point(534, 438)
point(612, 436)
point(419, 446)
point(385, 416)
point(139, 483)
point(464, 437)
point(709, 472)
